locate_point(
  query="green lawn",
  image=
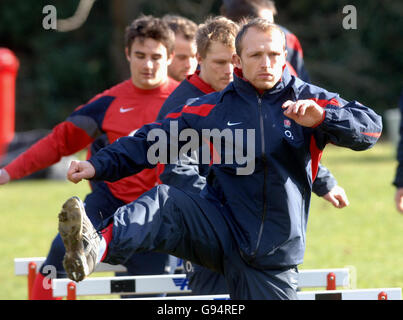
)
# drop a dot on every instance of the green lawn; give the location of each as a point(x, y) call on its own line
point(367, 234)
point(29, 212)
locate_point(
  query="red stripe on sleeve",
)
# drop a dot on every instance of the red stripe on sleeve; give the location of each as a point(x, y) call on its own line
point(324, 102)
point(202, 110)
point(173, 115)
point(372, 134)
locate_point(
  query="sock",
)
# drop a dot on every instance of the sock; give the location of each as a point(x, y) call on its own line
point(105, 240)
point(102, 250)
point(40, 292)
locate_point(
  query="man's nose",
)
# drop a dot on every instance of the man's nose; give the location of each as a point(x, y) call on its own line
point(148, 63)
point(266, 62)
point(188, 63)
point(229, 68)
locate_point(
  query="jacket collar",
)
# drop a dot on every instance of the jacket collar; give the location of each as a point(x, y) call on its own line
point(199, 83)
point(245, 86)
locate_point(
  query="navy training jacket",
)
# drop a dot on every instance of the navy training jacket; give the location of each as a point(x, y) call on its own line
point(190, 175)
point(267, 210)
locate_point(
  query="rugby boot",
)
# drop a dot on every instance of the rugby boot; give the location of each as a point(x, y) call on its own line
point(80, 239)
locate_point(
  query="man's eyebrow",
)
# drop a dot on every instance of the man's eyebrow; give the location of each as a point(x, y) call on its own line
point(263, 50)
point(221, 60)
point(255, 51)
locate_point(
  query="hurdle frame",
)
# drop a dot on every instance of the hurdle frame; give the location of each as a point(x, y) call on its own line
point(177, 283)
point(29, 267)
point(349, 294)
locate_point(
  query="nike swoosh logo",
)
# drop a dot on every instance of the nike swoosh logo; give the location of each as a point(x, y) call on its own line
point(233, 123)
point(123, 110)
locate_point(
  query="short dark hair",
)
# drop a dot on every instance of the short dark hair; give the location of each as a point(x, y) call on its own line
point(238, 10)
point(181, 26)
point(259, 23)
point(150, 27)
point(218, 29)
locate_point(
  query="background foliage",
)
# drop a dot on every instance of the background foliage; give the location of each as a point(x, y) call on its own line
point(60, 71)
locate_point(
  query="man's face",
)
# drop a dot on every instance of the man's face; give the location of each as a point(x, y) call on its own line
point(184, 61)
point(216, 67)
point(149, 62)
point(262, 58)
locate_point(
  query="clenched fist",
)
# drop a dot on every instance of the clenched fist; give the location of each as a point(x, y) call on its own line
point(307, 113)
point(79, 170)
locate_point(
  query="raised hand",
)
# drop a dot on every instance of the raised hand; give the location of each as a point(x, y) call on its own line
point(307, 113)
point(79, 170)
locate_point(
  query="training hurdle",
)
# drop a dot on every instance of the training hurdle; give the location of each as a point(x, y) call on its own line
point(178, 284)
point(30, 266)
point(350, 294)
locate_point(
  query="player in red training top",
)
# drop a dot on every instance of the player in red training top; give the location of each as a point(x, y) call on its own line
point(117, 112)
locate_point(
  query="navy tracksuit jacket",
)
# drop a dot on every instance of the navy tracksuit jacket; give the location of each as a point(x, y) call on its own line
point(190, 176)
point(267, 210)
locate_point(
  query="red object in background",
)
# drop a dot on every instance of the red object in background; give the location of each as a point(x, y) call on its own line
point(8, 73)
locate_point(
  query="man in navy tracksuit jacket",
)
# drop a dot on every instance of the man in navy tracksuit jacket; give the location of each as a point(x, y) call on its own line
point(248, 225)
point(190, 176)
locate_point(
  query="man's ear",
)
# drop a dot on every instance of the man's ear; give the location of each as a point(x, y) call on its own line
point(236, 61)
point(127, 54)
point(170, 58)
point(199, 58)
point(285, 59)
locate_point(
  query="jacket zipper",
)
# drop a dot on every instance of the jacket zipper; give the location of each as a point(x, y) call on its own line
point(259, 99)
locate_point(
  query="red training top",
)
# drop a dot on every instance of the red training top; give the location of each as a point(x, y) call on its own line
point(115, 113)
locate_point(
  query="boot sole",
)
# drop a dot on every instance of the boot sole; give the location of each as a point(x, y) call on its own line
point(70, 229)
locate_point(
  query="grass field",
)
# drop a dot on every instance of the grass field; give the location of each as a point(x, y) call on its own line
point(367, 234)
